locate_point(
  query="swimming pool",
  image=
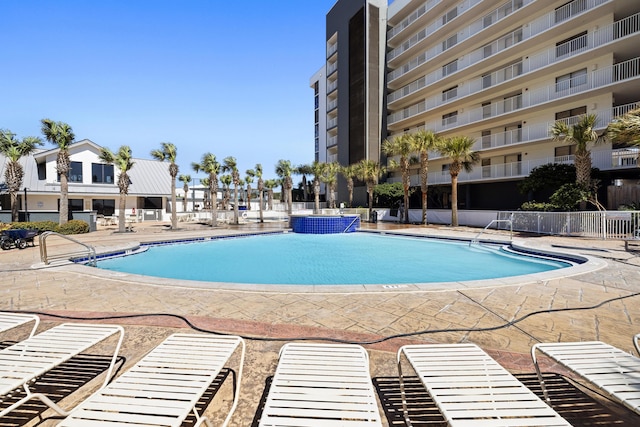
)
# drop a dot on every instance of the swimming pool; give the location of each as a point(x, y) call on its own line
point(330, 259)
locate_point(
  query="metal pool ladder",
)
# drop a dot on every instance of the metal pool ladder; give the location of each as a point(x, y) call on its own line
point(89, 251)
point(509, 221)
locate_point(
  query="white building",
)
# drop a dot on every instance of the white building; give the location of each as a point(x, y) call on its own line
point(501, 72)
point(92, 186)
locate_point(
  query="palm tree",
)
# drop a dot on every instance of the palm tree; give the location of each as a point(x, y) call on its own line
point(402, 146)
point(459, 150)
point(260, 185)
point(369, 172)
point(626, 129)
point(209, 165)
point(123, 160)
point(169, 152)
point(248, 180)
point(284, 171)
point(304, 170)
point(317, 169)
point(330, 178)
point(582, 133)
point(14, 149)
point(349, 172)
point(226, 181)
point(185, 179)
point(61, 135)
point(230, 165)
point(424, 141)
point(270, 184)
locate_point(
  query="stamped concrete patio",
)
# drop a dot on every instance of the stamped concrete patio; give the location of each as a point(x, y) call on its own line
point(605, 306)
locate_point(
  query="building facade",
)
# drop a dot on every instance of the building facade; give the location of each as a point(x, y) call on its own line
point(92, 186)
point(503, 72)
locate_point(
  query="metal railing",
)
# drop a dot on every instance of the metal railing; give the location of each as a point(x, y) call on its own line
point(509, 221)
point(594, 224)
point(88, 251)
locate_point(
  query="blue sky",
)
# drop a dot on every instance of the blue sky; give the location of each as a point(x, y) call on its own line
point(227, 77)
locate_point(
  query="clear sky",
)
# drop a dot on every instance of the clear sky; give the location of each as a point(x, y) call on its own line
point(227, 77)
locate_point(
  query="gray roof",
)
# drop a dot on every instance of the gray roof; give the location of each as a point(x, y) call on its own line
point(148, 177)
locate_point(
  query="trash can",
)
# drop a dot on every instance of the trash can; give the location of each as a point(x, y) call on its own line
point(374, 216)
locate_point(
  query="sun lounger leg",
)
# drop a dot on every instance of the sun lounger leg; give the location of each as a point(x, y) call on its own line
point(403, 396)
point(540, 379)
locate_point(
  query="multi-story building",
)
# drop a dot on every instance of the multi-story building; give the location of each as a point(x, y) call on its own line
point(349, 87)
point(503, 72)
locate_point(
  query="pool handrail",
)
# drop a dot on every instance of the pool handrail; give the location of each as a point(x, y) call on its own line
point(90, 252)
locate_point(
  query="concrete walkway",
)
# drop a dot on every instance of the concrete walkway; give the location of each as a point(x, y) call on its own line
point(607, 302)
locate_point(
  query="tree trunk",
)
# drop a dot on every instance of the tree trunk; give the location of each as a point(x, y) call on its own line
point(121, 211)
point(64, 199)
point(454, 200)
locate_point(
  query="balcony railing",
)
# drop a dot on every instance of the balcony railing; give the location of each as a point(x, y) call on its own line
point(533, 62)
point(626, 70)
point(526, 32)
point(406, 22)
point(331, 49)
point(601, 159)
point(427, 31)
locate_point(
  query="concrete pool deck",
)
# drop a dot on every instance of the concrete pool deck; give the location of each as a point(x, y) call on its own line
point(444, 315)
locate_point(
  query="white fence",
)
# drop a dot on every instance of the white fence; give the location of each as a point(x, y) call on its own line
point(600, 225)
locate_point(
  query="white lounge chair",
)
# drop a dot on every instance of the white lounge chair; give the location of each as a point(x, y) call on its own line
point(164, 386)
point(9, 321)
point(321, 385)
point(22, 363)
point(472, 389)
point(612, 370)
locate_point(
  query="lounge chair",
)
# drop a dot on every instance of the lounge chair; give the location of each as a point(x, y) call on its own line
point(472, 389)
point(22, 363)
point(321, 385)
point(612, 370)
point(9, 321)
point(164, 386)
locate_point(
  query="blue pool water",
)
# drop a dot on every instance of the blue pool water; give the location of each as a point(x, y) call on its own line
point(313, 259)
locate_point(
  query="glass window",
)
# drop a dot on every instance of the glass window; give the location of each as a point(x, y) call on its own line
point(152, 203)
point(75, 172)
point(102, 173)
point(105, 207)
point(571, 113)
point(571, 80)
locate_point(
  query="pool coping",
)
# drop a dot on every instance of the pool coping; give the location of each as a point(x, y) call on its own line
point(590, 264)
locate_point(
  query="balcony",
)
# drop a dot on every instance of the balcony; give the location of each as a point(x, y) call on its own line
point(425, 32)
point(624, 71)
point(406, 22)
point(534, 28)
point(601, 159)
point(534, 62)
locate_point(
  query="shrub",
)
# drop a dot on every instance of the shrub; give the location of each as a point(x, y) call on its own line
point(537, 206)
point(41, 226)
point(74, 226)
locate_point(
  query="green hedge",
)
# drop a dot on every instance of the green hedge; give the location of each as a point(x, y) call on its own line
point(73, 226)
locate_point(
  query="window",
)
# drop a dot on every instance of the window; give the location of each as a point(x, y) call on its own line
point(449, 93)
point(152, 203)
point(102, 173)
point(74, 205)
point(571, 80)
point(449, 15)
point(75, 172)
point(451, 41)
point(572, 44)
point(486, 110)
point(564, 153)
point(571, 113)
point(450, 118)
point(486, 139)
point(451, 67)
point(105, 207)
point(486, 168)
